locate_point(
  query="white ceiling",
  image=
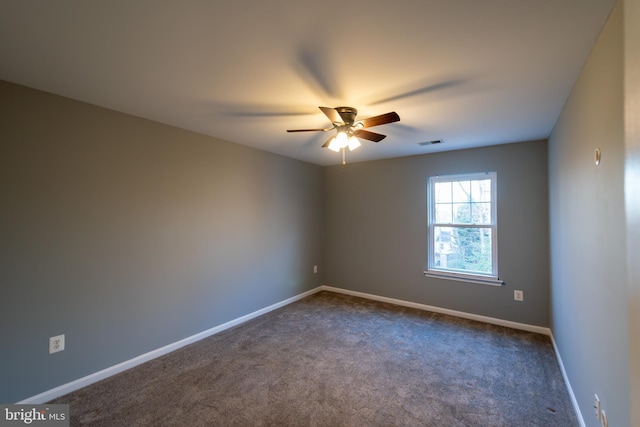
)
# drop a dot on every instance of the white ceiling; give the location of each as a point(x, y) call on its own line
point(470, 72)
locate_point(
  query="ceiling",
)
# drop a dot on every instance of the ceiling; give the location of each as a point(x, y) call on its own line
point(471, 73)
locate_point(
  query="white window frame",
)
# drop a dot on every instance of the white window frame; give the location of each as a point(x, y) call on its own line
point(456, 274)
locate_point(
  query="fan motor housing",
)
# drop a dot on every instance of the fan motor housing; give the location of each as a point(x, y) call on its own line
point(348, 114)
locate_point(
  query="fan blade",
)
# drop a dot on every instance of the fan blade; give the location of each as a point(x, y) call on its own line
point(382, 119)
point(326, 144)
point(309, 130)
point(371, 136)
point(332, 114)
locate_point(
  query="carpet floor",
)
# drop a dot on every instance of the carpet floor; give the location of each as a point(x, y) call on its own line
point(337, 360)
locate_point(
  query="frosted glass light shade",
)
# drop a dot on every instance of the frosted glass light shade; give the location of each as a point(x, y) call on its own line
point(342, 139)
point(354, 143)
point(334, 146)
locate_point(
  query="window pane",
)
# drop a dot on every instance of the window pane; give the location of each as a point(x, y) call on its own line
point(463, 249)
point(441, 246)
point(443, 214)
point(481, 190)
point(461, 191)
point(481, 213)
point(443, 192)
point(462, 213)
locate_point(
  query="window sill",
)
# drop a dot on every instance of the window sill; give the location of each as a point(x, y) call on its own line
point(491, 281)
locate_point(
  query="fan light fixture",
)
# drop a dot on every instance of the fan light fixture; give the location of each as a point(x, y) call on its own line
point(343, 120)
point(341, 140)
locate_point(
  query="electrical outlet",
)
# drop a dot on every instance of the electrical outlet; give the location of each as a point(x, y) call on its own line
point(596, 406)
point(518, 295)
point(315, 269)
point(56, 344)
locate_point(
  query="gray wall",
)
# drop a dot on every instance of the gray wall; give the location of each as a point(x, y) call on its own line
point(127, 235)
point(376, 225)
point(632, 195)
point(587, 223)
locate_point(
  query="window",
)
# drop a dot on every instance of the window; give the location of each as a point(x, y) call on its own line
point(462, 227)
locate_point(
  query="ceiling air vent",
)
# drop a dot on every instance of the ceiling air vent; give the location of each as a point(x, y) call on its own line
point(435, 141)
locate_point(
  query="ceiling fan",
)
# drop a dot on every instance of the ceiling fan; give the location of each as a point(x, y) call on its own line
point(349, 130)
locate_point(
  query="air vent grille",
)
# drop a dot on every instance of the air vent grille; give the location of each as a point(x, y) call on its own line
point(435, 141)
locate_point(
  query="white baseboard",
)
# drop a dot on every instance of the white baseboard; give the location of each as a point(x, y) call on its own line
point(462, 314)
point(572, 396)
point(128, 364)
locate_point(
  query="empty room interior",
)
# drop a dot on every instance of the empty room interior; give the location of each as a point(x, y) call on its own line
point(171, 188)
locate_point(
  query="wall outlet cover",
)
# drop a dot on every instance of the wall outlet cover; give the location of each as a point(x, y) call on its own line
point(56, 344)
